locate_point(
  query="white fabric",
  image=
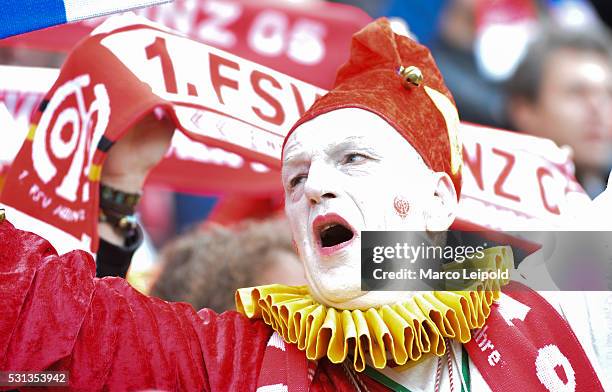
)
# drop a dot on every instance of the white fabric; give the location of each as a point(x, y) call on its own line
point(599, 308)
point(27, 79)
point(273, 388)
point(277, 341)
point(83, 9)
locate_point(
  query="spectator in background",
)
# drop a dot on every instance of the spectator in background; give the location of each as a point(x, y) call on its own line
point(372, 8)
point(562, 90)
point(30, 57)
point(421, 16)
point(205, 267)
point(604, 9)
point(478, 99)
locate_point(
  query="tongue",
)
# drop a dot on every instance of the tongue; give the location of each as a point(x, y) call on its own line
point(335, 235)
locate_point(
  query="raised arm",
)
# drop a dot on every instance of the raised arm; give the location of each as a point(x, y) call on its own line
point(128, 162)
point(56, 315)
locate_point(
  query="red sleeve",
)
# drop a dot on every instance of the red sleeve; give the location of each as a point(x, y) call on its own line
point(237, 368)
point(58, 316)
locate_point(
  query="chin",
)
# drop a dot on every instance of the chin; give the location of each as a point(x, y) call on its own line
point(331, 287)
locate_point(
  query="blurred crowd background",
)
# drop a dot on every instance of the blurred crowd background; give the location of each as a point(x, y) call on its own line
point(536, 66)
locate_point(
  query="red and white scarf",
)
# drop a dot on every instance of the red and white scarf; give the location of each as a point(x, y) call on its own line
point(232, 115)
point(525, 346)
point(285, 368)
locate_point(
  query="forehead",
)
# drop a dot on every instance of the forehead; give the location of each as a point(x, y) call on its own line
point(350, 127)
point(571, 66)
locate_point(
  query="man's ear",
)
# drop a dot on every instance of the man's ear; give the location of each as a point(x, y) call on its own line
point(443, 208)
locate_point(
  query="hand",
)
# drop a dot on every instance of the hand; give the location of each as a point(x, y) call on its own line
point(132, 157)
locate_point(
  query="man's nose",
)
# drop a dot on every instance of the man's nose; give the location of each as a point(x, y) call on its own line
point(319, 185)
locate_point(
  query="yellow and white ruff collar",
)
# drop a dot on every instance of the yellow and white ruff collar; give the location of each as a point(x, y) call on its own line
point(396, 334)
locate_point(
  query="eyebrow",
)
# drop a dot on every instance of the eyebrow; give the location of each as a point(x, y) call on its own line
point(293, 159)
point(349, 143)
point(352, 142)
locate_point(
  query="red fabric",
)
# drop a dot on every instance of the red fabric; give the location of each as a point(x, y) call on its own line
point(100, 93)
point(57, 316)
point(234, 208)
point(370, 81)
point(332, 378)
point(314, 37)
point(284, 365)
point(108, 336)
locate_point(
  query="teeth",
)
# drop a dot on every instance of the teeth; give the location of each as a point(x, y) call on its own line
point(327, 227)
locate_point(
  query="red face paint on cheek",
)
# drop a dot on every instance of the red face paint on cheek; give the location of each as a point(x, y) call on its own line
point(401, 206)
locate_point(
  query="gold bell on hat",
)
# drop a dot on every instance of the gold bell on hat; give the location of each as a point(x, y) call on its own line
point(2, 214)
point(411, 76)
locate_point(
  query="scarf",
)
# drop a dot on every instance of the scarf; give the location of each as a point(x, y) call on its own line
point(20, 16)
point(520, 335)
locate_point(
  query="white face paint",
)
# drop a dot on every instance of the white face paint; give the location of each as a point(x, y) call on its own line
point(345, 169)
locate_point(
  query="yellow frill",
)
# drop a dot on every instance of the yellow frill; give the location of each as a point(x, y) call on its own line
point(401, 332)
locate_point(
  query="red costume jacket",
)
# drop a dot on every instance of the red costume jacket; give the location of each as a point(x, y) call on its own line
point(107, 335)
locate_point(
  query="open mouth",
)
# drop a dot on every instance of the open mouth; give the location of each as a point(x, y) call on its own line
point(333, 232)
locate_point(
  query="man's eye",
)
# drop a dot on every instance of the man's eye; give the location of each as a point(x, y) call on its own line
point(295, 181)
point(355, 158)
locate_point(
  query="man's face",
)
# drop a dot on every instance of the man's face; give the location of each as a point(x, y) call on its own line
point(344, 172)
point(574, 106)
